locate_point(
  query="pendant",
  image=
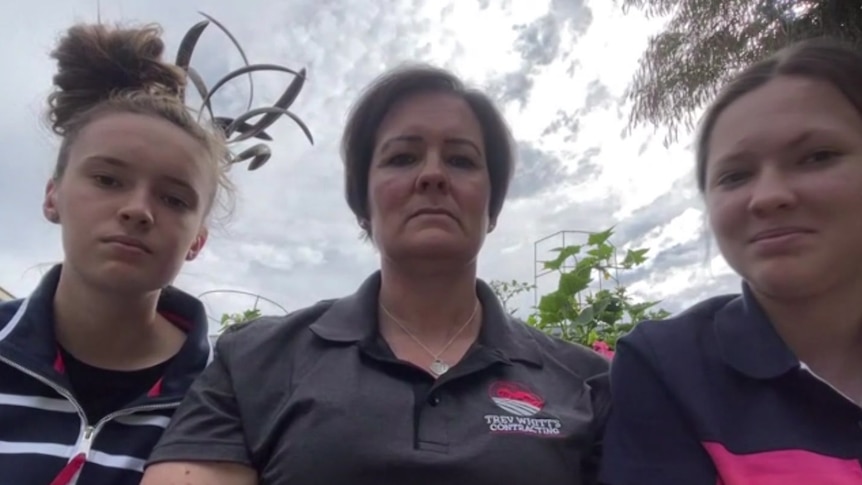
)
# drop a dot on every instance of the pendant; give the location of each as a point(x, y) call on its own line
point(438, 367)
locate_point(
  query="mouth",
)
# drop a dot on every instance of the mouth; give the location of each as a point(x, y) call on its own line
point(129, 242)
point(433, 212)
point(779, 232)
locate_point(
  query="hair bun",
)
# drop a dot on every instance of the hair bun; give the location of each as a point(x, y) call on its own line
point(95, 61)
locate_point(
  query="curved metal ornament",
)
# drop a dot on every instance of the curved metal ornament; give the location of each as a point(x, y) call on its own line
point(239, 128)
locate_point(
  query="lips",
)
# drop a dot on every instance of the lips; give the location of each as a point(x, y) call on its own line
point(128, 241)
point(434, 211)
point(779, 232)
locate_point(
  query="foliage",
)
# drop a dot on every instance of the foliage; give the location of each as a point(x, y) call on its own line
point(578, 311)
point(229, 319)
point(705, 42)
point(506, 290)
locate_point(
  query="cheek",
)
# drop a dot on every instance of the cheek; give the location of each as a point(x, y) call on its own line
point(386, 195)
point(726, 214)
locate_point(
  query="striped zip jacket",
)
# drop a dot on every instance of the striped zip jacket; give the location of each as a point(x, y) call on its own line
point(45, 438)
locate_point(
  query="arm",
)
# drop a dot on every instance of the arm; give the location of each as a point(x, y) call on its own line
point(648, 440)
point(600, 387)
point(204, 443)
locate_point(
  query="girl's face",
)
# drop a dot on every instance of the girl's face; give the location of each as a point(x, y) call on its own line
point(132, 202)
point(784, 187)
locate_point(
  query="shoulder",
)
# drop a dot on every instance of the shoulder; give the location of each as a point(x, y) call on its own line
point(681, 331)
point(680, 351)
point(578, 358)
point(11, 310)
point(269, 332)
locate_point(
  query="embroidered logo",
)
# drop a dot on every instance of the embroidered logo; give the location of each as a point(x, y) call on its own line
point(522, 404)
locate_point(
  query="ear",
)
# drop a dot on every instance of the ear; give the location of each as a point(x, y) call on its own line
point(198, 244)
point(49, 205)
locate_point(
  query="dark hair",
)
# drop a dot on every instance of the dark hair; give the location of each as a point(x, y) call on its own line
point(829, 60)
point(363, 122)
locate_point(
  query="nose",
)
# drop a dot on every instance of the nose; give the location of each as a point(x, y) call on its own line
point(771, 192)
point(433, 175)
point(136, 213)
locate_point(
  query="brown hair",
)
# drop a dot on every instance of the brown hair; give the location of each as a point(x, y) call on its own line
point(102, 69)
point(835, 62)
point(360, 133)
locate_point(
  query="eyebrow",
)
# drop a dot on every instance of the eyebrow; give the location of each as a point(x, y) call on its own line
point(794, 142)
point(417, 139)
point(116, 162)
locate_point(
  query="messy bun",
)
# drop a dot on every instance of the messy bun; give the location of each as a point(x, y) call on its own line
point(96, 62)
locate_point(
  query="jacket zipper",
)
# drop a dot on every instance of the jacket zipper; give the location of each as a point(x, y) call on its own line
point(82, 451)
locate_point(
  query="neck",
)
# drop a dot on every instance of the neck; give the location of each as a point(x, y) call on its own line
point(430, 305)
point(824, 331)
point(111, 331)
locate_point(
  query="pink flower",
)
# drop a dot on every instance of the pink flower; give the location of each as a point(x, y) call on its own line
point(603, 348)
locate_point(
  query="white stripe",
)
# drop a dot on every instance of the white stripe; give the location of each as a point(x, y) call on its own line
point(50, 449)
point(10, 326)
point(66, 452)
point(116, 461)
point(144, 420)
point(37, 402)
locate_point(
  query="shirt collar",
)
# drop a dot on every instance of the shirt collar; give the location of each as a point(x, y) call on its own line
point(354, 318)
point(748, 341)
point(28, 336)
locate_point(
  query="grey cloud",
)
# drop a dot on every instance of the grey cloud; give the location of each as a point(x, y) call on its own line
point(681, 197)
point(537, 170)
point(588, 168)
point(512, 87)
point(569, 123)
point(598, 96)
point(539, 41)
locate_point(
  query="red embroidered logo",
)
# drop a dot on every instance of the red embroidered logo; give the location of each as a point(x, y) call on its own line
point(521, 405)
point(516, 399)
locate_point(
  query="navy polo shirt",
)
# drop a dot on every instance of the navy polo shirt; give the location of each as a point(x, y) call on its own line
point(715, 396)
point(317, 397)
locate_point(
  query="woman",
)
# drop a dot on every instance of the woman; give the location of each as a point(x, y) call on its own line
point(763, 387)
point(420, 376)
point(94, 362)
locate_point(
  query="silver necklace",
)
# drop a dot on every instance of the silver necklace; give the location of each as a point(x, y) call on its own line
point(437, 367)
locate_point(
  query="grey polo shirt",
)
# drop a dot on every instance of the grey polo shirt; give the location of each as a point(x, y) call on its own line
point(317, 397)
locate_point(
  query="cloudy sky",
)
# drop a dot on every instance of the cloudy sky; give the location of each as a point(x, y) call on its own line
point(557, 67)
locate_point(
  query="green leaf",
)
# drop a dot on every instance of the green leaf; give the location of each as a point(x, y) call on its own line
point(599, 238)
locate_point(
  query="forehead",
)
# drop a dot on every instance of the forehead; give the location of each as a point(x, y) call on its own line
point(780, 110)
point(145, 144)
point(430, 114)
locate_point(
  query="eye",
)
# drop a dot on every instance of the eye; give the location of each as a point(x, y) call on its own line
point(175, 202)
point(731, 178)
point(106, 181)
point(462, 162)
point(820, 156)
point(401, 159)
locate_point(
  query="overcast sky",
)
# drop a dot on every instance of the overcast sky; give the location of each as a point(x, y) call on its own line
point(558, 67)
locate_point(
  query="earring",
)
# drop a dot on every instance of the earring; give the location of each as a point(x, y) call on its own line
point(53, 217)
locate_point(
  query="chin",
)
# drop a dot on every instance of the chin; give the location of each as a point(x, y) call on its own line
point(436, 247)
point(126, 279)
point(785, 280)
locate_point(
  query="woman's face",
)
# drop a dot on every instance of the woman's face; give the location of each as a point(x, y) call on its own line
point(131, 202)
point(784, 187)
point(428, 184)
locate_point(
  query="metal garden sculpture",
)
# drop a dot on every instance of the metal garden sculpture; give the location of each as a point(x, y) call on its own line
point(241, 128)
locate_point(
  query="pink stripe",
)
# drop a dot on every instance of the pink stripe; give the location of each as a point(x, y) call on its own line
point(782, 467)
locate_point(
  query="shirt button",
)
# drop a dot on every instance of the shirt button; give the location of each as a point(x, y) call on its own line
point(434, 400)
